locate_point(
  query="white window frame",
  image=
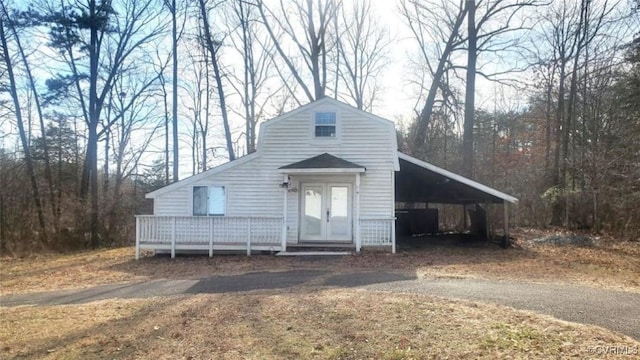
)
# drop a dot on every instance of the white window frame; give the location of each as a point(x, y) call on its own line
point(315, 125)
point(226, 197)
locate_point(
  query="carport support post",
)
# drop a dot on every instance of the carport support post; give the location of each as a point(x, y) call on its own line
point(505, 205)
point(486, 221)
point(464, 217)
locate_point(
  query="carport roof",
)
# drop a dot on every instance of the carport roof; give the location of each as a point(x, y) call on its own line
point(419, 181)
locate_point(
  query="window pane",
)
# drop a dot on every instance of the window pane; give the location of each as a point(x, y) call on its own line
point(313, 211)
point(325, 131)
point(216, 200)
point(325, 124)
point(199, 200)
point(325, 118)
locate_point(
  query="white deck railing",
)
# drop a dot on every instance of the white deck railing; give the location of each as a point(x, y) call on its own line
point(202, 233)
point(207, 233)
point(378, 232)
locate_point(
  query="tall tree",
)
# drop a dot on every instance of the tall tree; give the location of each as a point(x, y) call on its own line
point(469, 104)
point(12, 26)
point(171, 4)
point(116, 39)
point(440, 24)
point(13, 91)
point(362, 52)
point(308, 26)
point(213, 46)
point(256, 62)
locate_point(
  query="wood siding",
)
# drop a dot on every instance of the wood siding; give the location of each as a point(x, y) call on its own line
point(252, 187)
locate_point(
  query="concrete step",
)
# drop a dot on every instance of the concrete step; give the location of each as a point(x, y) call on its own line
point(313, 253)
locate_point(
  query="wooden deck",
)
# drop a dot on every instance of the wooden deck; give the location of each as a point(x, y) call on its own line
point(243, 234)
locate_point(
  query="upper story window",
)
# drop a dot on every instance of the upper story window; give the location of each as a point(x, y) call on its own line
point(325, 125)
point(209, 200)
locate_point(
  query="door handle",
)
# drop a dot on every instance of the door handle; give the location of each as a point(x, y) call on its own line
point(327, 215)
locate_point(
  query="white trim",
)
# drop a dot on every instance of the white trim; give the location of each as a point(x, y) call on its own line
point(283, 239)
point(393, 212)
point(459, 178)
point(323, 171)
point(357, 214)
point(202, 175)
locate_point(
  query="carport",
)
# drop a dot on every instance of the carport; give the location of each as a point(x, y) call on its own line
point(421, 182)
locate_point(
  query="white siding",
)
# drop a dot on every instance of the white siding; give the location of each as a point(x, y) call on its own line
point(253, 186)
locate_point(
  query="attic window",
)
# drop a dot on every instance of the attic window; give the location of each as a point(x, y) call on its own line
point(325, 124)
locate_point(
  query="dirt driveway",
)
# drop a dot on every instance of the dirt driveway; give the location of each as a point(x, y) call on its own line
point(615, 310)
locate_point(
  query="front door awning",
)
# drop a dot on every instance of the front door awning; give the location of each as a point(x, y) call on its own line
point(322, 164)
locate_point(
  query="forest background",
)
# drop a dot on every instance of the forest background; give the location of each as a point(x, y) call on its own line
point(103, 101)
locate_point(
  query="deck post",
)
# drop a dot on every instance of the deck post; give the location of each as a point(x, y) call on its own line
point(357, 215)
point(211, 236)
point(285, 190)
point(249, 237)
point(137, 238)
point(393, 212)
point(173, 238)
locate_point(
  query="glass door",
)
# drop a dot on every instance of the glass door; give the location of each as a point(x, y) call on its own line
point(339, 215)
point(312, 222)
point(325, 212)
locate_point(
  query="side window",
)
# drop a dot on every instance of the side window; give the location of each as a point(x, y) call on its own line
point(325, 124)
point(209, 200)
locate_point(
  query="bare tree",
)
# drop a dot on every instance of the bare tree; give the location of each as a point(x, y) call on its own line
point(173, 9)
point(313, 20)
point(363, 47)
point(13, 91)
point(438, 23)
point(256, 61)
point(36, 97)
point(114, 39)
point(213, 46)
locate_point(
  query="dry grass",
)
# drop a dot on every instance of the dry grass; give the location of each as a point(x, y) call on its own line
point(327, 324)
point(609, 264)
point(614, 265)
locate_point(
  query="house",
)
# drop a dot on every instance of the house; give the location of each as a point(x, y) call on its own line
point(325, 174)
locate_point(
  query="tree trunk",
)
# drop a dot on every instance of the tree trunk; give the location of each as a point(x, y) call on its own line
point(92, 144)
point(45, 147)
point(23, 135)
point(216, 72)
point(469, 106)
point(419, 135)
point(174, 44)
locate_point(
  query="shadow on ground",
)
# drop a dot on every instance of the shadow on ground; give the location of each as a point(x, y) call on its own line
point(210, 285)
point(254, 281)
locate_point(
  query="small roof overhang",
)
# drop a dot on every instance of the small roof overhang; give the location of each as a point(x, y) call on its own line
point(419, 181)
point(322, 164)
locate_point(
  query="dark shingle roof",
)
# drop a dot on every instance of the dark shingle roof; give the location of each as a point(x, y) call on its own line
point(323, 161)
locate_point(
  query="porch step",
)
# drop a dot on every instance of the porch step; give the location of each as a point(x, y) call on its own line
point(313, 253)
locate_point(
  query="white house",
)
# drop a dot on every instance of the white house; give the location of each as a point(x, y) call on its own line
point(323, 175)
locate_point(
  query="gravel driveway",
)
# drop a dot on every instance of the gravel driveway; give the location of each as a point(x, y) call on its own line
point(615, 310)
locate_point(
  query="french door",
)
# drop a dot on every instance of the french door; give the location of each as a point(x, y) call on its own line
point(325, 212)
